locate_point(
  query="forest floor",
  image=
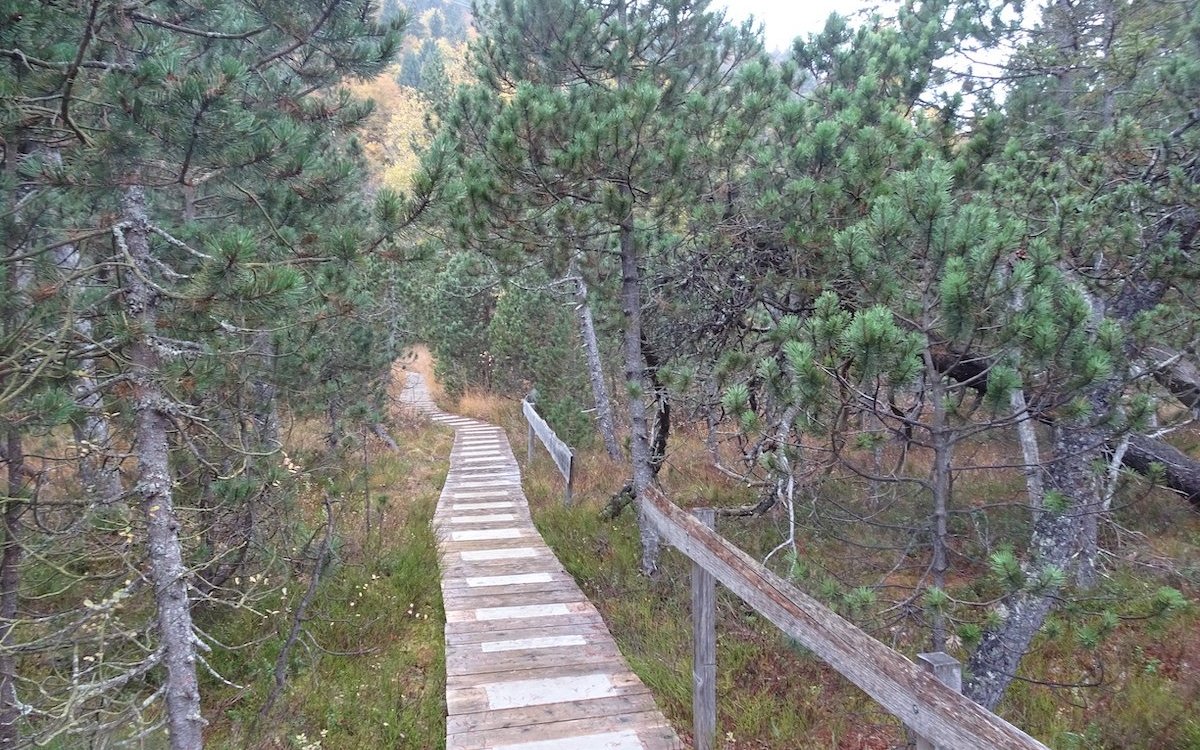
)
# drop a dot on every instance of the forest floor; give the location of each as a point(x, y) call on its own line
point(371, 672)
point(1135, 688)
point(370, 669)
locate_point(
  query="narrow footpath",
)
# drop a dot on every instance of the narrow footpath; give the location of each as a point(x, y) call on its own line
point(529, 662)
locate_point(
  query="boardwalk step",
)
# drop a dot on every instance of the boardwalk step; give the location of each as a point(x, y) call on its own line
point(529, 662)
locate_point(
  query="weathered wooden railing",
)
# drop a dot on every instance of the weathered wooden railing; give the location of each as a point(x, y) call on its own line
point(937, 713)
point(563, 454)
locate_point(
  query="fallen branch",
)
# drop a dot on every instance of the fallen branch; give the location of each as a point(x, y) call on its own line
point(382, 433)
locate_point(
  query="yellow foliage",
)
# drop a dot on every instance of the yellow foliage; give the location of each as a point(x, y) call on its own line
point(397, 130)
point(455, 57)
point(400, 127)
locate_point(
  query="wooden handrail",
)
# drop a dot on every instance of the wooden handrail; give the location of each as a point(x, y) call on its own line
point(563, 454)
point(936, 712)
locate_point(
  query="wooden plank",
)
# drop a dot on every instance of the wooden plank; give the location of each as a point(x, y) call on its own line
point(489, 484)
point(597, 656)
point(452, 563)
point(449, 544)
point(480, 535)
point(948, 671)
point(559, 451)
point(460, 599)
point(535, 643)
point(536, 687)
point(457, 572)
point(590, 630)
point(704, 647)
point(491, 505)
point(502, 558)
point(504, 492)
point(659, 738)
point(541, 592)
point(560, 735)
point(484, 721)
point(585, 616)
point(916, 697)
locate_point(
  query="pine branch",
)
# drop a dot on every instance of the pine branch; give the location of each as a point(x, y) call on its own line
point(198, 32)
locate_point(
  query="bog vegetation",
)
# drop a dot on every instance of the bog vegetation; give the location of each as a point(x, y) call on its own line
point(923, 329)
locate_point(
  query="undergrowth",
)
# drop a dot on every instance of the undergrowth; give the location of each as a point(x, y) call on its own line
point(369, 669)
point(1133, 688)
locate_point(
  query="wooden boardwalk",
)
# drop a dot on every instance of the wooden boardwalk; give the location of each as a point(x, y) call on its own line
point(529, 662)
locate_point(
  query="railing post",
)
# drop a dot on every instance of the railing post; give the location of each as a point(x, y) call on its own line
point(570, 479)
point(704, 647)
point(948, 671)
point(529, 444)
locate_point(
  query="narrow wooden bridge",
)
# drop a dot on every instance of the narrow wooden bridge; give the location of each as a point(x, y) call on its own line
point(529, 662)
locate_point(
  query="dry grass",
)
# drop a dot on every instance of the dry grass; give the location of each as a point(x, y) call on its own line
point(773, 695)
point(371, 672)
point(418, 359)
point(490, 407)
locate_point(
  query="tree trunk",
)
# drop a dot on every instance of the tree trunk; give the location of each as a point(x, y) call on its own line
point(635, 379)
point(712, 420)
point(1055, 539)
point(12, 452)
point(333, 413)
point(1031, 459)
point(100, 479)
point(152, 406)
point(591, 346)
point(10, 579)
point(1058, 535)
point(940, 482)
point(1181, 472)
point(264, 409)
point(1177, 372)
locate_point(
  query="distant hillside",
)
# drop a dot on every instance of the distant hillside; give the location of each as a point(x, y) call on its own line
point(431, 65)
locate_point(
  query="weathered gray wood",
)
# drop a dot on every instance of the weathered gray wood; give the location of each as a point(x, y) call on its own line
point(704, 647)
point(916, 697)
point(563, 455)
point(570, 489)
point(528, 657)
point(529, 437)
point(948, 671)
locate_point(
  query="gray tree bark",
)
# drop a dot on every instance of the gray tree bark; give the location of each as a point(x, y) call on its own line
point(635, 378)
point(1054, 541)
point(1177, 372)
point(591, 347)
point(1181, 472)
point(264, 409)
point(1031, 457)
point(1060, 536)
point(93, 434)
point(10, 579)
point(943, 448)
point(152, 406)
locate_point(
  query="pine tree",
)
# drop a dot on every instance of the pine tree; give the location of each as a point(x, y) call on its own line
point(581, 136)
point(937, 278)
point(198, 158)
point(1101, 153)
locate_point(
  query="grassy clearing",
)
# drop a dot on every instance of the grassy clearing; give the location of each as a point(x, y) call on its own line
point(369, 671)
